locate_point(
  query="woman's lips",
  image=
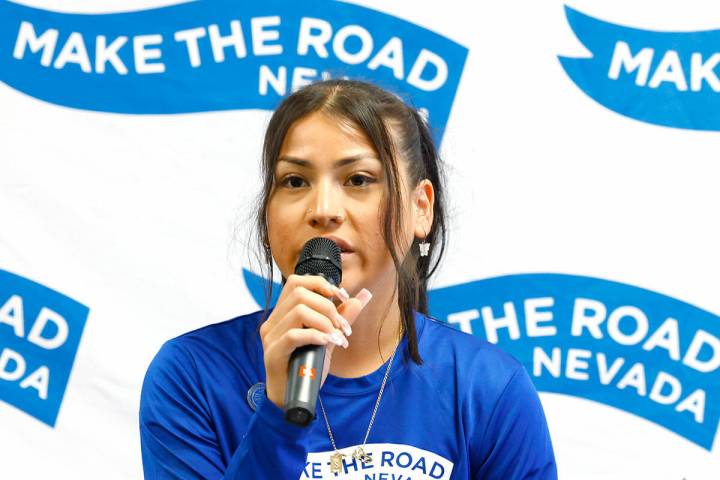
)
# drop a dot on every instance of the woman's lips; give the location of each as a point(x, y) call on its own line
point(344, 245)
point(345, 255)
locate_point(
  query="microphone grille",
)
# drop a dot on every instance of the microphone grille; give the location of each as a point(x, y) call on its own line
point(321, 256)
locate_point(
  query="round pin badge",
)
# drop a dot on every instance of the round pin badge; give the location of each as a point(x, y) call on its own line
point(255, 395)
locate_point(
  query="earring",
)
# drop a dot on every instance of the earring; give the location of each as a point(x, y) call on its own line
point(424, 247)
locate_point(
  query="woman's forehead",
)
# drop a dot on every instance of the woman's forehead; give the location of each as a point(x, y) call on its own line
point(321, 133)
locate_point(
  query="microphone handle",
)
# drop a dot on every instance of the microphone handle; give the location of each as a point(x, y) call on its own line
point(304, 376)
point(303, 384)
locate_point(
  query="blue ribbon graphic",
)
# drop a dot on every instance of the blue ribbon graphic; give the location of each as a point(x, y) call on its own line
point(32, 355)
point(221, 55)
point(663, 78)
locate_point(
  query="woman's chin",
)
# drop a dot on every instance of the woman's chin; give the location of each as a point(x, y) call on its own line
point(350, 283)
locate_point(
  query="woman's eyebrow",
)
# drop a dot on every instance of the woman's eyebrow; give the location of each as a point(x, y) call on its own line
point(338, 163)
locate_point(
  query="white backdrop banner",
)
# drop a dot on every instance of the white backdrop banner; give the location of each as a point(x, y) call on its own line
point(581, 143)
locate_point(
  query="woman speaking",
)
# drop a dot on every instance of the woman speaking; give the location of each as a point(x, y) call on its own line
point(403, 396)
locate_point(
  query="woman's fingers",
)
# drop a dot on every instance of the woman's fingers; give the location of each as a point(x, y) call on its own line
point(312, 311)
point(324, 306)
point(299, 337)
point(315, 283)
point(311, 290)
point(306, 315)
point(352, 308)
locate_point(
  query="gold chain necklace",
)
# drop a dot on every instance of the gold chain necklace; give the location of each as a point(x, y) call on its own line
point(359, 453)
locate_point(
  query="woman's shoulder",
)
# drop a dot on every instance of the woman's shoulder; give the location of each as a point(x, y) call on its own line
point(468, 355)
point(236, 339)
point(492, 385)
point(221, 333)
point(439, 336)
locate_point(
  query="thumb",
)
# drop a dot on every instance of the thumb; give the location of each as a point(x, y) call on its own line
point(352, 308)
point(329, 348)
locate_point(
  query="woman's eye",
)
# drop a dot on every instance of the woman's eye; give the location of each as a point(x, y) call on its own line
point(360, 180)
point(292, 181)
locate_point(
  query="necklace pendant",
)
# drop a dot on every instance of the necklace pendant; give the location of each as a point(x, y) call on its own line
point(336, 462)
point(359, 454)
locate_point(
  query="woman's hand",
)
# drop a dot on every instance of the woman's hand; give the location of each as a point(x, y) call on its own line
point(304, 315)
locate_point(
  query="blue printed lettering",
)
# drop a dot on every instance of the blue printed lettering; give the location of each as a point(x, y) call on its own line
point(420, 465)
point(403, 463)
point(314, 470)
point(352, 463)
point(437, 470)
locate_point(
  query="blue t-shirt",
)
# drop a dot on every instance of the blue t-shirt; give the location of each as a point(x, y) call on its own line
point(469, 412)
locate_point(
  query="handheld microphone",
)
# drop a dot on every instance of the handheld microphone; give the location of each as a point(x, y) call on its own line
point(319, 256)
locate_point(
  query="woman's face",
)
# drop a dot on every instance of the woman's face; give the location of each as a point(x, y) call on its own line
point(329, 182)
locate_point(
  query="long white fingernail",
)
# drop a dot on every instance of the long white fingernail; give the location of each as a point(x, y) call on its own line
point(347, 330)
point(337, 338)
point(342, 294)
point(364, 296)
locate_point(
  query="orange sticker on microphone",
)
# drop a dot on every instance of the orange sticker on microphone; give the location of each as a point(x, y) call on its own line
point(304, 372)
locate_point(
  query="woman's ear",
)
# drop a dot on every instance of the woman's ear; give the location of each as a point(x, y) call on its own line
point(423, 202)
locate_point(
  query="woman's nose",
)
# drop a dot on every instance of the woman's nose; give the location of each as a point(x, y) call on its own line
point(325, 206)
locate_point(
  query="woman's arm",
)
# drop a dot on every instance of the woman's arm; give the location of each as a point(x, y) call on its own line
point(178, 434)
point(178, 438)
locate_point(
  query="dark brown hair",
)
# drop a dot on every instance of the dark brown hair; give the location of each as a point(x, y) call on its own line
point(375, 112)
